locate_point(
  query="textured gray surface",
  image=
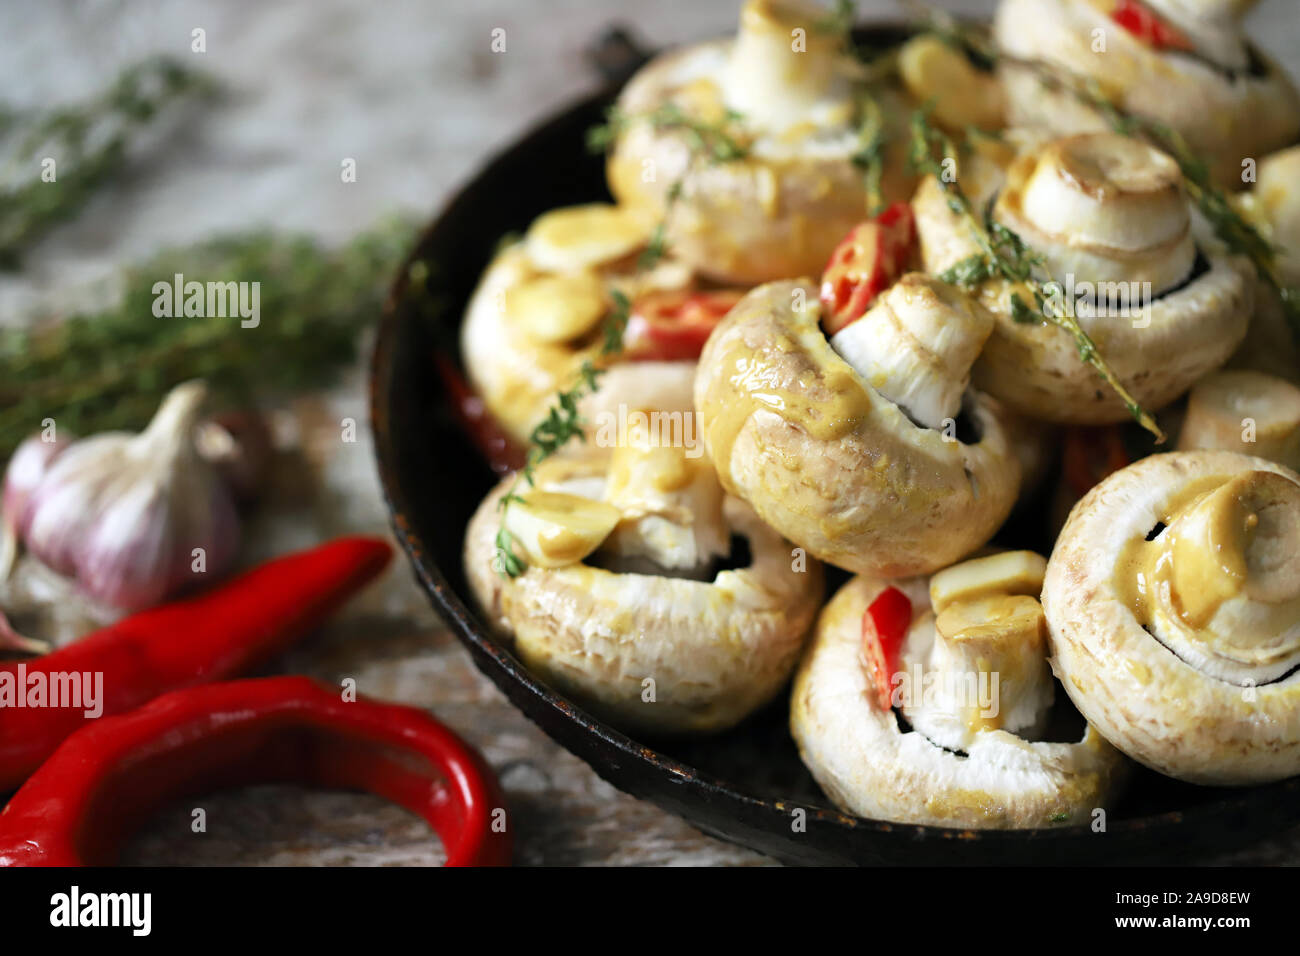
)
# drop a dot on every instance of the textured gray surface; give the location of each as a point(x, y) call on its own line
point(412, 92)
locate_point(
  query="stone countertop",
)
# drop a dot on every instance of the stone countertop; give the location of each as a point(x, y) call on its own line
point(411, 91)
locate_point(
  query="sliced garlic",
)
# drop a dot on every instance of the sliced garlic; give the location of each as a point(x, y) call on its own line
point(934, 71)
point(916, 345)
point(1247, 412)
point(1011, 572)
point(576, 238)
point(554, 529)
point(556, 308)
point(671, 506)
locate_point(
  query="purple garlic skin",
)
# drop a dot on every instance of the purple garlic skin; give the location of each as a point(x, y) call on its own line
point(133, 519)
point(28, 465)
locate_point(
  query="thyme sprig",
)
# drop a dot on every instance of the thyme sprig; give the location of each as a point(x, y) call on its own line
point(714, 142)
point(110, 369)
point(870, 153)
point(88, 143)
point(1004, 255)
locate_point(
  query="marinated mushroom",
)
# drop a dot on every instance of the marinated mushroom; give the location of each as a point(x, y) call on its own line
point(1159, 298)
point(1173, 608)
point(632, 603)
point(787, 94)
point(1184, 63)
point(1272, 343)
point(864, 448)
point(957, 738)
point(539, 311)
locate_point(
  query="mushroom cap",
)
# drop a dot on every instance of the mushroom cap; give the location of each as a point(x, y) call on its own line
point(778, 212)
point(827, 461)
point(716, 650)
point(869, 766)
point(1034, 367)
point(516, 377)
point(1149, 702)
point(1226, 113)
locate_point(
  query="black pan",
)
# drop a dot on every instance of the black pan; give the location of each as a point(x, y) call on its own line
point(744, 785)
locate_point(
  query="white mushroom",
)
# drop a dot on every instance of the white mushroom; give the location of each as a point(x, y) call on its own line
point(974, 687)
point(822, 453)
point(778, 211)
point(1226, 98)
point(667, 648)
point(1159, 298)
point(1173, 607)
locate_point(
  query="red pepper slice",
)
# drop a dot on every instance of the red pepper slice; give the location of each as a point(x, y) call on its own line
point(884, 627)
point(1138, 19)
point(503, 454)
point(108, 777)
point(214, 635)
point(864, 264)
point(669, 326)
point(1090, 455)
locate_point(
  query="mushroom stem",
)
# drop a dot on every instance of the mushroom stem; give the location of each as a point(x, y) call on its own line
point(1247, 412)
point(916, 345)
point(782, 62)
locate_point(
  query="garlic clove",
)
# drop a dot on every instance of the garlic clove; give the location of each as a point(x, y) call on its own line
point(556, 308)
point(27, 466)
point(576, 238)
point(555, 529)
point(1011, 572)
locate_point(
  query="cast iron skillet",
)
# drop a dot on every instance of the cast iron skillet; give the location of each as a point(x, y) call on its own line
point(748, 784)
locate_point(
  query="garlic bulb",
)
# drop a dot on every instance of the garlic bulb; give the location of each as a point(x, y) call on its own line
point(27, 467)
point(133, 518)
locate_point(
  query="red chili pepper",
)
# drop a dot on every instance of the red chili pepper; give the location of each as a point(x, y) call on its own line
point(864, 264)
point(673, 326)
point(1138, 19)
point(884, 626)
point(108, 777)
point(501, 451)
point(211, 636)
point(1090, 455)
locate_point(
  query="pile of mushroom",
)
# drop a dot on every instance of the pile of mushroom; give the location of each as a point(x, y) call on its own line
point(1173, 606)
point(539, 310)
point(1158, 297)
point(624, 606)
point(851, 447)
point(1184, 63)
point(789, 91)
point(959, 741)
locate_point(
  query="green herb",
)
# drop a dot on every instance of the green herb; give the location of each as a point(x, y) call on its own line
point(88, 143)
point(1006, 256)
point(840, 18)
point(870, 154)
point(110, 370)
point(719, 142)
point(1060, 817)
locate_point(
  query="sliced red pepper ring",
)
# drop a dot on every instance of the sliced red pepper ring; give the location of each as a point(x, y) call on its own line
point(885, 623)
point(1143, 23)
point(670, 326)
point(865, 264)
point(106, 779)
